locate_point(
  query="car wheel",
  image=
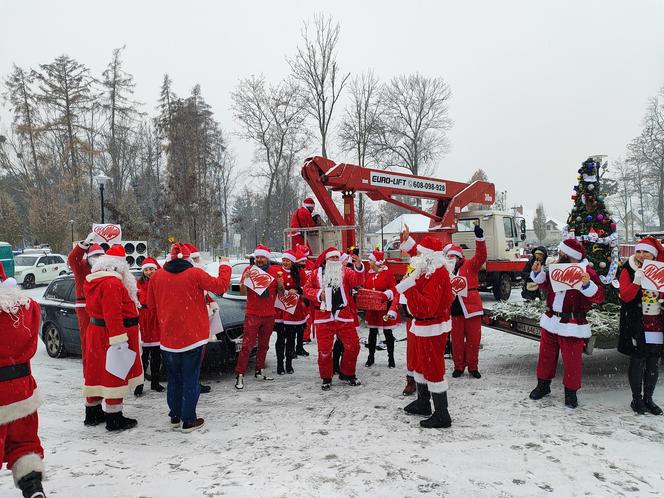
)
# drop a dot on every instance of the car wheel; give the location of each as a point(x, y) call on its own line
point(503, 287)
point(29, 281)
point(55, 346)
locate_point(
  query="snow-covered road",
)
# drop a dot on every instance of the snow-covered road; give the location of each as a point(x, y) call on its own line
point(288, 438)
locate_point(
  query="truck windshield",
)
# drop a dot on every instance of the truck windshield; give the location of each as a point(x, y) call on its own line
point(25, 260)
point(509, 227)
point(467, 225)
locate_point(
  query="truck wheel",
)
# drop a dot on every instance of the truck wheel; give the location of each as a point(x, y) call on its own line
point(55, 346)
point(29, 281)
point(503, 287)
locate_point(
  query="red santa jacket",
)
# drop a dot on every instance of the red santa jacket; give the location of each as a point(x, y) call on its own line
point(81, 269)
point(313, 290)
point(429, 300)
point(3, 276)
point(263, 304)
point(301, 314)
point(148, 322)
point(18, 344)
point(469, 269)
point(175, 295)
point(384, 281)
point(573, 302)
point(301, 219)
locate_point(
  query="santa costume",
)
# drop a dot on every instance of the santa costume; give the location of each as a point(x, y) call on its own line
point(20, 446)
point(259, 317)
point(329, 288)
point(467, 311)
point(110, 291)
point(641, 326)
point(380, 278)
point(303, 253)
point(302, 219)
point(429, 296)
point(149, 328)
point(176, 295)
point(291, 323)
point(564, 325)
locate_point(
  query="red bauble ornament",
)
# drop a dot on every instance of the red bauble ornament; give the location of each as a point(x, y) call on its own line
point(574, 197)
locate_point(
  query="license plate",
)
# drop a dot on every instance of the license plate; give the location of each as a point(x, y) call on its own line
point(528, 329)
point(238, 347)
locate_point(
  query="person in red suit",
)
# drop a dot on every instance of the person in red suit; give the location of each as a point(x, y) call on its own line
point(259, 316)
point(564, 324)
point(467, 311)
point(380, 278)
point(149, 327)
point(20, 446)
point(176, 296)
point(641, 326)
point(428, 292)
point(111, 302)
point(329, 288)
point(303, 253)
point(302, 219)
point(292, 279)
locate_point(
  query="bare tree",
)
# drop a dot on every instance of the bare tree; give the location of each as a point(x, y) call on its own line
point(315, 67)
point(479, 176)
point(539, 223)
point(621, 200)
point(273, 118)
point(414, 122)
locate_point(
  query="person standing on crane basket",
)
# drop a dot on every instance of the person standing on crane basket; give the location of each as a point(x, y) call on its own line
point(302, 219)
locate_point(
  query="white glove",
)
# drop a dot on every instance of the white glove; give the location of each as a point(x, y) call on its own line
point(119, 359)
point(392, 314)
point(89, 239)
point(388, 294)
point(638, 275)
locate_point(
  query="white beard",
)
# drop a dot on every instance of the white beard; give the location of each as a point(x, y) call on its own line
point(111, 263)
point(333, 274)
point(425, 264)
point(11, 300)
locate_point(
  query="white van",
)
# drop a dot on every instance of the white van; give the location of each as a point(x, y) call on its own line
point(34, 269)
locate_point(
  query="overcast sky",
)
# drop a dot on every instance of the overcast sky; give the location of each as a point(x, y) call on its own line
point(537, 86)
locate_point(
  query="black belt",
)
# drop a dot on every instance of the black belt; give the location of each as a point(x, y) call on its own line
point(127, 322)
point(567, 316)
point(431, 318)
point(12, 372)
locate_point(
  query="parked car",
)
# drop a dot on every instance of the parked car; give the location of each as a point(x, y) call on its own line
point(34, 269)
point(60, 334)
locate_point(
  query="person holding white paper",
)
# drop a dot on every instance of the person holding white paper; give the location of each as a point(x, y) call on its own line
point(564, 324)
point(641, 326)
point(113, 366)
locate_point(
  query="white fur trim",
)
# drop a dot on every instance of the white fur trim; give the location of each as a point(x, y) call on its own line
point(589, 291)
point(437, 387)
point(332, 254)
point(83, 245)
point(180, 255)
point(392, 314)
point(111, 408)
point(407, 245)
point(195, 255)
point(20, 409)
point(360, 269)
point(225, 263)
point(117, 339)
point(539, 277)
point(480, 239)
point(148, 265)
point(389, 294)
point(289, 257)
point(296, 322)
point(113, 392)
point(654, 337)
point(150, 344)
point(261, 252)
point(645, 247)
point(308, 205)
point(186, 348)
point(419, 378)
point(93, 403)
point(552, 324)
point(101, 274)
point(410, 373)
point(424, 250)
point(30, 462)
point(94, 253)
point(447, 248)
point(455, 253)
point(405, 284)
point(430, 330)
point(562, 247)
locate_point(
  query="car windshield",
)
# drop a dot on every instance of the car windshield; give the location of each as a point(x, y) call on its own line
point(239, 268)
point(25, 260)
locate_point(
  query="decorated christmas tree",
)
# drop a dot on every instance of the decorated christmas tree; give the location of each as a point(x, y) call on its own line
point(590, 222)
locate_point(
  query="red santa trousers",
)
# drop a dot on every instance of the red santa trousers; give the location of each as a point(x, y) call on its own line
point(411, 354)
point(83, 322)
point(19, 439)
point(347, 334)
point(466, 335)
point(572, 351)
point(430, 362)
point(255, 326)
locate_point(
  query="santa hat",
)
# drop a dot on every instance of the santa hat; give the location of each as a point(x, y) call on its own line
point(290, 255)
point(454, 251)
point(3, 276)
point(573, 248)
point(303, 249)
point(651, 245)
point(429, 245)
point(328, 253)
point(193, 250)
point(300, 254)
point(117, 251)
point(150, 262)
point(377, 256)
point(262, 250)
point(6, 282)
point(180, 251)
point(309, 203)
point(94, 250)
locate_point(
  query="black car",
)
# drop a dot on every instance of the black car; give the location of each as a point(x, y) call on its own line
point(60, 334)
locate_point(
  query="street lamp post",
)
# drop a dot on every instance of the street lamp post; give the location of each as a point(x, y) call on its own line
point(71, 224)
point(256, 231)
point(102, 180)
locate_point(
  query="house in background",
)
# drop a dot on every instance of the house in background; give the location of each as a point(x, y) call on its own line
point(554, 228)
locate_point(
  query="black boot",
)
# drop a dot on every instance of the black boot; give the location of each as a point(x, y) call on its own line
point(371, 344)
point(289, 364)
point(543, 388)
point(448, 347)
point(155, 367)
point(649, 383)
point(570, 398)
point(138, 391)
point(422, 405)
point(635, 376)
point(290, 349)
point(145, 360)
point(118, 422)
point(337, 351)
point(327, 384)
point(280, 346)
point(280, 367)
point(204, 389)
point(637, 404)
point(31, 485)
point(441, 417)
point(299, 349)
point(389, 342)
point(94, 415)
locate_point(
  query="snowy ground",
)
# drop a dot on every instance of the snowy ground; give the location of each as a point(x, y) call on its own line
point(288, 438)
